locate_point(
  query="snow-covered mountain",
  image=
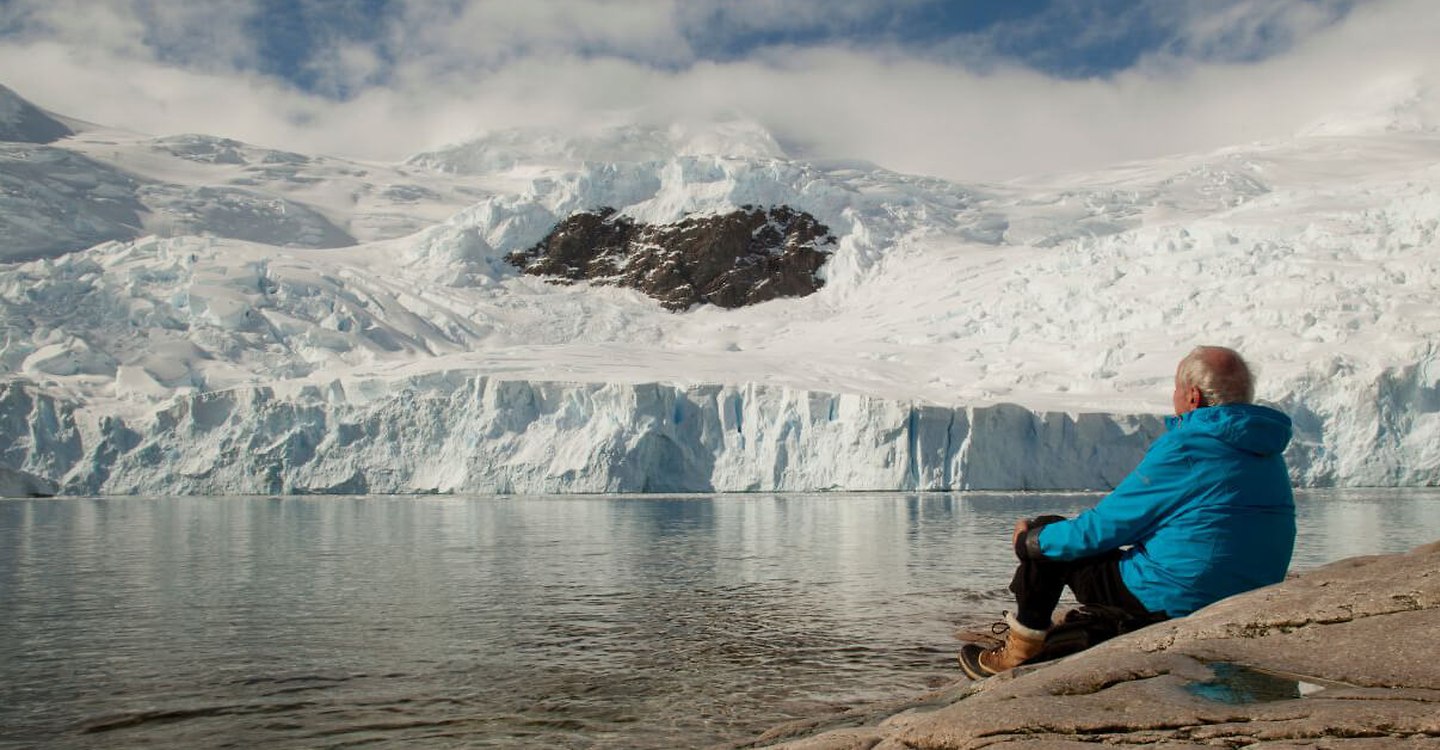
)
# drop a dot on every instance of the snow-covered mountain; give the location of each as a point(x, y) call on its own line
point(194, 314)
point(23, 122)
point(99, 184)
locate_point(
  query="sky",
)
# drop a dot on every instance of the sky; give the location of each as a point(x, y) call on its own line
point(963, 89)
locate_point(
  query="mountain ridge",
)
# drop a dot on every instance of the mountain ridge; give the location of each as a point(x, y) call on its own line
point(23, 122)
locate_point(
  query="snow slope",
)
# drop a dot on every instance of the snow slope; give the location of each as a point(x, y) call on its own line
point(23, 122)
point(98, 184)
point(969, 336)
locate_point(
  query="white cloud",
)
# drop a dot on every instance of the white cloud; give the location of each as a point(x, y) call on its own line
point(1247, 29)
point(484, 34)
point(345, 66)
point(445, 71)
point(210, 36)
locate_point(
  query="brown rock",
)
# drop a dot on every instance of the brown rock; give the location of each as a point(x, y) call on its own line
point(732, 260)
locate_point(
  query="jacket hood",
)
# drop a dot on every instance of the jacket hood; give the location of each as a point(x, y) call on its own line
point(1248, 427)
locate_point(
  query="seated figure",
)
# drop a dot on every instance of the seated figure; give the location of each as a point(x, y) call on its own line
point(1208, 513)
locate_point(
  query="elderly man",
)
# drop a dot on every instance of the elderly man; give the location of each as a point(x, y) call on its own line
point(1207, 513)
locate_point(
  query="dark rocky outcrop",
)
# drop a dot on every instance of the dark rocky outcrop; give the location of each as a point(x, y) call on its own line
point(1340, 657)
point(732, 260)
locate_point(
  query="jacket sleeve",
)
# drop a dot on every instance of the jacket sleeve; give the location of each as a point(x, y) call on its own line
point(1127, 515)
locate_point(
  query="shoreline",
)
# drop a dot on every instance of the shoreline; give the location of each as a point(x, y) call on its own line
point(1333, 657)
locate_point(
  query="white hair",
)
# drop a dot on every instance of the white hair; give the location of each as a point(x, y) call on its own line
point(1220, 373)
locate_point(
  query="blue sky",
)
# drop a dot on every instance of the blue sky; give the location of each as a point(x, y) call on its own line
point(1034, 33)
point(963, 89)
point(1064, 38)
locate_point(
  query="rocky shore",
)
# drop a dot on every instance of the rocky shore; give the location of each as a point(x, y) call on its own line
point(1344, 656)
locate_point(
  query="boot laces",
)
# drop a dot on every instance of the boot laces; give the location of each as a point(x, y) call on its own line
point(1000, 630)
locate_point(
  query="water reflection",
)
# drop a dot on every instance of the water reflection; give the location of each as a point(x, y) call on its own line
point(1237, 685)
point(636, 621)
point(1336, 524)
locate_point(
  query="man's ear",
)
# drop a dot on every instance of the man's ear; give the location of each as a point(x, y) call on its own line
point(1194, 398)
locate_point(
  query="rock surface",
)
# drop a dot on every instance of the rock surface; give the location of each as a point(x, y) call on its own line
point(1340, 657)
point(732, 260)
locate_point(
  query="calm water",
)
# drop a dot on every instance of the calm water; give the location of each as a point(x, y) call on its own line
point(514, 622)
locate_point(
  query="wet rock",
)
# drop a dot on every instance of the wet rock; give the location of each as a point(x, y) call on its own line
point(1339, 657)
point(732, 260)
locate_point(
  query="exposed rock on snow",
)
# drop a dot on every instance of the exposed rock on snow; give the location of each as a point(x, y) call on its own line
point(731, 260)
point(1339, 657)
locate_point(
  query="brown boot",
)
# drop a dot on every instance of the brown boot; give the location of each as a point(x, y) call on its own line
point(1021, 644)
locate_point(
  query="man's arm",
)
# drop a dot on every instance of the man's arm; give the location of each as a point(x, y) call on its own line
point(1127, 515)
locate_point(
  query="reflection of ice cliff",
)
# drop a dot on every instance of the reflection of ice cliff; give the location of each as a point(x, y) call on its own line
point(1000, 336)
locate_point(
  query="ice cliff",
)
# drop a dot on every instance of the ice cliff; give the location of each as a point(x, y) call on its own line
point(453, 432)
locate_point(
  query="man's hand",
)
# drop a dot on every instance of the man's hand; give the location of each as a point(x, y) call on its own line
point(1021, 526)
point(1028, 547)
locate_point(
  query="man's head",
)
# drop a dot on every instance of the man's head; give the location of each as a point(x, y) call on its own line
point(1210, 376)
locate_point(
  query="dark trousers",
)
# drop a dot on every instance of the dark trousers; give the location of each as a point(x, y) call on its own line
point(1095, 580)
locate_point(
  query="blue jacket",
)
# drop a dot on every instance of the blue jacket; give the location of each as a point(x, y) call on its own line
point(1208, 512)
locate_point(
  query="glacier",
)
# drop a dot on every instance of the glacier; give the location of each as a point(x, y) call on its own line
point(981, 336)
point(462, 433)
point(455, 432)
